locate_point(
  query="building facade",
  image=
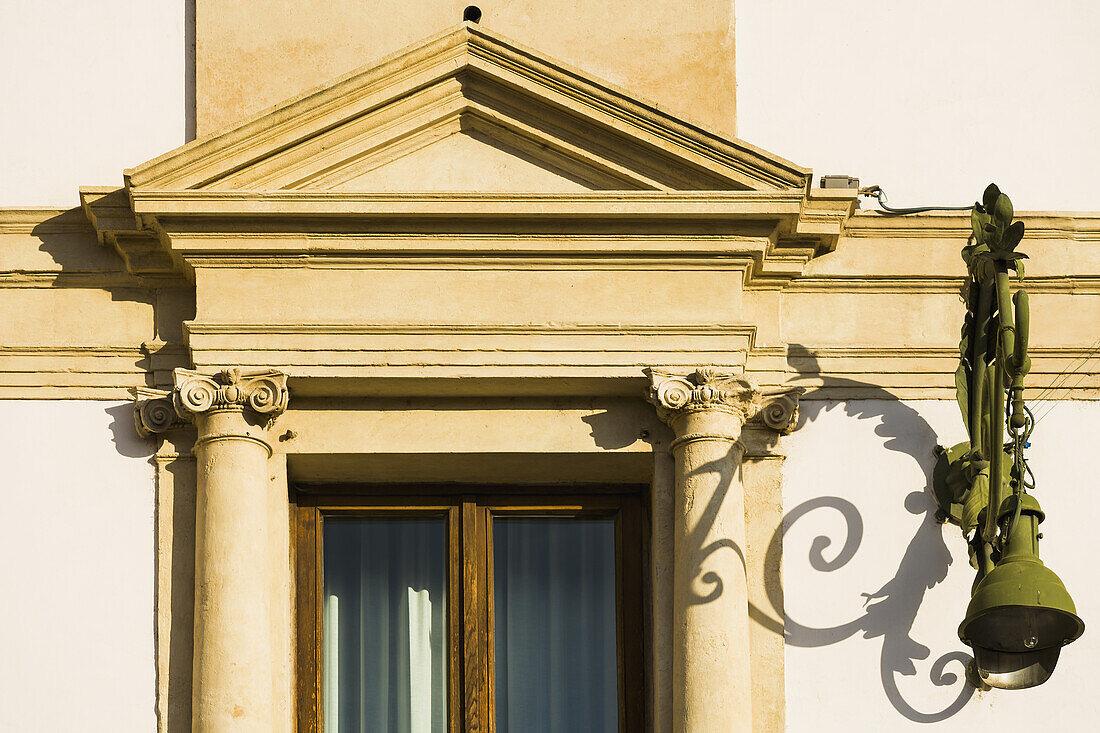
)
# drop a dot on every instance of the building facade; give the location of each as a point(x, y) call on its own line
point(467, 389)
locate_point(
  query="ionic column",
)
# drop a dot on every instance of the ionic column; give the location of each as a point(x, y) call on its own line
point(711, 680)
point(232, 685)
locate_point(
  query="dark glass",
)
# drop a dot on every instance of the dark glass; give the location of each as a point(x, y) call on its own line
point(385, 611)
point(555, 642)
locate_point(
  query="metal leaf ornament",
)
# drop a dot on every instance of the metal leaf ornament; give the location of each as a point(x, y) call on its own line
point(989, 255)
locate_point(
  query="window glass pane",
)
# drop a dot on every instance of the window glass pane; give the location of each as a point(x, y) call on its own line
point(554, 616)
point(384, 625)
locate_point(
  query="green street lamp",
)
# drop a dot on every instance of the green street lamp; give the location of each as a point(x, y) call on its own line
point(1020, 614)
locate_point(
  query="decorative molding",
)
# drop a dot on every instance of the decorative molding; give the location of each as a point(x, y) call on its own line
point(350, 352)
point(262, 392)
point(88, 280)
point(770, 236)
point(42, 221)
point(1066, 225)
point(739, 330)
point(44, 371)
point(347, 206)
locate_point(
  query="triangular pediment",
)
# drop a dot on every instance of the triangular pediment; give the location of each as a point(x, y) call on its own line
point(466, 111)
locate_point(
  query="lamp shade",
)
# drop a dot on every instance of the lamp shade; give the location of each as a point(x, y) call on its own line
point(1020, 614)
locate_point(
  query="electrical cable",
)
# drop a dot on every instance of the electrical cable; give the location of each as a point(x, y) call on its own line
point(1063, 376)
point(878, 193)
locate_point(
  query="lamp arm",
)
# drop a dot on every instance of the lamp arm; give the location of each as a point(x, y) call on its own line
point(1006, 328)
point(1019, 361)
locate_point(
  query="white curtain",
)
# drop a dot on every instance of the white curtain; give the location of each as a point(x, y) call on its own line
point(555, 645)
point(384, 626)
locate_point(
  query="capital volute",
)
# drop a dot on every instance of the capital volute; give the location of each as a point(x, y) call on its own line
point(779, 410)
point(154, 412)
point(261, 392)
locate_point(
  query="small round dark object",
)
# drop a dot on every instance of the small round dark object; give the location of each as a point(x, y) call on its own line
point(472, 13)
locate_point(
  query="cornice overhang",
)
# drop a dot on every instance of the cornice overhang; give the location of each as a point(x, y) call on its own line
point(111, 213)
point(769, 235)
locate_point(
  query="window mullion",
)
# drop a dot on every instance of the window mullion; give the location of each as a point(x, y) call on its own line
point(476, 677)
point(455, 632)
point(307, 528)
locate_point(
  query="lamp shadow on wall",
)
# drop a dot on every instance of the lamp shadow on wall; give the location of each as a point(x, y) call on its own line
point(891, 610)
point(704, 528)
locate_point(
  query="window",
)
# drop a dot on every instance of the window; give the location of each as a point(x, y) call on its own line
point(459, 612)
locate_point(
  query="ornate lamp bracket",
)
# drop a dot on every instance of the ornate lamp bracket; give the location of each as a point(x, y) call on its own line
point(1020, 614)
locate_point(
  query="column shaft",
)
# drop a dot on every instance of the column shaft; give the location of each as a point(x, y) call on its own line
point(711, 667)
point(711, 657)
point(232, 683)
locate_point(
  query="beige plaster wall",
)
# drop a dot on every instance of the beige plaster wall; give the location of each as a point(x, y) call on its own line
point(252, 55)
point(72, 321)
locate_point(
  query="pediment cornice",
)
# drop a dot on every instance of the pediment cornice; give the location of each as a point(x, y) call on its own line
point(470, 81)
point(293, 185)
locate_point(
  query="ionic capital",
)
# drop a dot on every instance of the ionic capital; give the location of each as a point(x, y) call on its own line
point(154, 412)
point(780, 409)
point(262, 392)
point(706, 389)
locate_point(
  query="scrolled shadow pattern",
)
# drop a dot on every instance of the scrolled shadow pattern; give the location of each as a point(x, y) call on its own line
point(891, 610)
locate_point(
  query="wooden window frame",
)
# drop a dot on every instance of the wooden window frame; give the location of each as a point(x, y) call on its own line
point(467, 512)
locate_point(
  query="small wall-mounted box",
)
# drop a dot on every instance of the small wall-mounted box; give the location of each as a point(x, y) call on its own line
point(839, 182)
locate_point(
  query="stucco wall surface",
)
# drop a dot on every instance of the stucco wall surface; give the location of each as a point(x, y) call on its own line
point(255, 54)
point(87, 89)
point(931, 100)
point(76, 621)
point(875, 589)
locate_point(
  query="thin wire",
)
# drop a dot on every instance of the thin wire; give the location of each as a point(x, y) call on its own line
point(1053, 384)
point(1054, 404)
point(1054, 388)
point(877, 192)
point(1059, 379)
